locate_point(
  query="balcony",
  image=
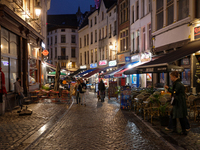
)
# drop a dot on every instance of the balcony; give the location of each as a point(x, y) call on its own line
point(62, 57)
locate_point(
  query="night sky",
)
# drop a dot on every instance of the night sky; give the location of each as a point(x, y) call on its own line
point(69, 6)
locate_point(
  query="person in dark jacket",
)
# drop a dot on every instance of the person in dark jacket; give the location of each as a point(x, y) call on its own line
point(82, 89)
point(102, 89)
point(179, 102)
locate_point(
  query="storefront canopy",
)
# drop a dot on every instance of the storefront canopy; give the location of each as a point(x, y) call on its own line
point(54, 73)
point(163, 64)
point(92, 73)
point(76, 72)
point(85, 72)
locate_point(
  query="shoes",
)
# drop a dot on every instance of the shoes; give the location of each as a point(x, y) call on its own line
point(167, 129)
point(174, 131)
point(188, 129)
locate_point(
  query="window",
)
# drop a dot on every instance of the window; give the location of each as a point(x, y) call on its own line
point(9, 42)
point(137, 10)
point(88, 57)
point(106, 52)
point(56, 31)
point(123, 12)
point(133, 42)
point(91, 37)
point(159, 13)
point(106, 31)
point(103, 54)
point(95, 20)
point(63, 64)
point(87, 39)
point(95, 36)
point(91, 23)
point(102, 15)
point(73, 52)
point(73, 64)
point(124, 40)
point(51, 53)
point(197, 8)
point(102, 33)
point(91, 56)
point(62, 51)
point(99, 34)
point(109, 14)
point(55, 39)
point(170, 12)
point(62, 30)
point(80, 43)
point(144, 41)
point(73, 30)
point(55, 52)
point(115, 28)
point(51, 40)
point(133, 14)
point(80, 58)
point(73, 38)
point(63, 40)
point(115, 10)
point(85, 58)
point(149, 35)
point(100, 54)
point(183, 9)
point(138, 40)
point(95, 54)
point(110, 31)
point(149, 5)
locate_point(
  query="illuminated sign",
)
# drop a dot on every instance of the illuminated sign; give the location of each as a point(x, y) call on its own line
point(5, 63)
point(83, 67)
point(145, 57)
point(93, 65)
point(113, 63)
point(197, 32)
point(135, 58)
point(45, 52)
point(102, 62)
point(128, 59)
point(43, 45)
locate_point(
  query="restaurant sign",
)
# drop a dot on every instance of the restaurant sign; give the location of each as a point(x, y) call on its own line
point(102, 62)
point(197, 32)
point(135, 58)
point(112, 63)
point(145, 57)
point(93, 65)
point(45, 52)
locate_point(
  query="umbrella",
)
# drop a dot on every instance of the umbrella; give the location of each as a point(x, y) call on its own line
point(54, 73)
point(57, 77)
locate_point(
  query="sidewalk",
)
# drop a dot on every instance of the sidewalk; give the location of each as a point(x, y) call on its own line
point(15, 129)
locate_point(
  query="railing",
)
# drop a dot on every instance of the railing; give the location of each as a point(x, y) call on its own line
point(62, 57)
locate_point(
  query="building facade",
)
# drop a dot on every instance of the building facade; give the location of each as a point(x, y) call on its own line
point(22, 34)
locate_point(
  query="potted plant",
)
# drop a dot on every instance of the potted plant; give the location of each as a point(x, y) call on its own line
point(164, 118)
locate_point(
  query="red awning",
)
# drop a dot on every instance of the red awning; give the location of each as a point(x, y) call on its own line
point(119, 74)
point(92, 73)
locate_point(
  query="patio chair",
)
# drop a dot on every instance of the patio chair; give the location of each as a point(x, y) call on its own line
point(136, 101)
point(191, 99)
point(140, 104)
point(154, 109)
point(196, 107)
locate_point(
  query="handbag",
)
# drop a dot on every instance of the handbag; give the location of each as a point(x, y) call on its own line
point(83, 90)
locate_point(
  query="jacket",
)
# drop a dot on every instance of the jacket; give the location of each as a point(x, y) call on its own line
point(2, 84)
point(101, 86)
point(17, 87)
point(179, 107)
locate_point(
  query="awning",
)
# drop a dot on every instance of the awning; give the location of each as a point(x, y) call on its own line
point(131, 71)
point(92, 73)
point(163, 64)
point(83, 73)
point(127, 67)
point(76, 72)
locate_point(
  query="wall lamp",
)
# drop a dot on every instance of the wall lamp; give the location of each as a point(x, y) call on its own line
point(38, 10)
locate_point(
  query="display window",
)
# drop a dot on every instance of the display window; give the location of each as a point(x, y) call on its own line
point(185, 75)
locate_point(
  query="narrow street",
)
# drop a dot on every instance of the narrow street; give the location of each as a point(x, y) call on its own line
point(99, 126)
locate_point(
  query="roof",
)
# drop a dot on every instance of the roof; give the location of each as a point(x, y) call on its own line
point(109, 3)
point(62, 21)
point(85, 20)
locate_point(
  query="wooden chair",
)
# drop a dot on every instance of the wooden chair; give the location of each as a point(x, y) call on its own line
point(196, 107)
point(154, 109)
point(137, 101)
point(191, 99)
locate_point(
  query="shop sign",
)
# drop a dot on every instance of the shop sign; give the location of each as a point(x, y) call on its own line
point(102, 62)
point(43, 45)
point(93, 65)
point(121, 58)
point(83, 67)
point(135, 58)
point(197, 32)
point(112, 63)
point(128, 59)
point(162, 69)
point(145, 57)
point(45, 52)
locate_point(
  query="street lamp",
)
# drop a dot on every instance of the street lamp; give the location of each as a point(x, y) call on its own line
point(38, 10)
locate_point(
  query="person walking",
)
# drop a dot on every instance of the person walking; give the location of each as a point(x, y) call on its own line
point(82, 90)
point(178, 101)
point(102, 89)
point(77, 92)
point(19, 92)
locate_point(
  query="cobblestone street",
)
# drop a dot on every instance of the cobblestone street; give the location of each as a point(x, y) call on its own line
point(99, 126)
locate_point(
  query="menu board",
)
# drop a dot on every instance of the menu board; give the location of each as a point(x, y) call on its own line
point(112, 89)
point(125, 97)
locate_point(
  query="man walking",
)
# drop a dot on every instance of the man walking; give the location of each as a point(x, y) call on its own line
point(19, 92)
point(82, 93)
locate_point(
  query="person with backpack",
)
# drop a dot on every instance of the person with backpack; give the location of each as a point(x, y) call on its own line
point(102, 89)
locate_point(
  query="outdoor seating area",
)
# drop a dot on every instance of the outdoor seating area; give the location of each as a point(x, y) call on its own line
point(152, 103)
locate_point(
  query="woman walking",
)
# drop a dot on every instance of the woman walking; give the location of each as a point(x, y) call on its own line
point(102, 88)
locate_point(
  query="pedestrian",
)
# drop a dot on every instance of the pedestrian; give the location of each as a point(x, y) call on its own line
point(19, 92)
point(77, 92)
point(178, 101)
point(102, 89)
point(82, 90)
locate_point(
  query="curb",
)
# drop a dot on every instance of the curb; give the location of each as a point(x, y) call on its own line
point(156, 133)
point(48, 129)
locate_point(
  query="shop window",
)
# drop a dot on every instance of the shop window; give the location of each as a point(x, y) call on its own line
point(5, 69)
point(183, 9)
point(73, 52)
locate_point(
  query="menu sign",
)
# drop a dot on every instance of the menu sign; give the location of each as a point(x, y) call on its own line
point(197, 32)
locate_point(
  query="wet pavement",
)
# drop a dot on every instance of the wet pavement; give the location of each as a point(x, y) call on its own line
point(15, 129)
point(99, 126)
